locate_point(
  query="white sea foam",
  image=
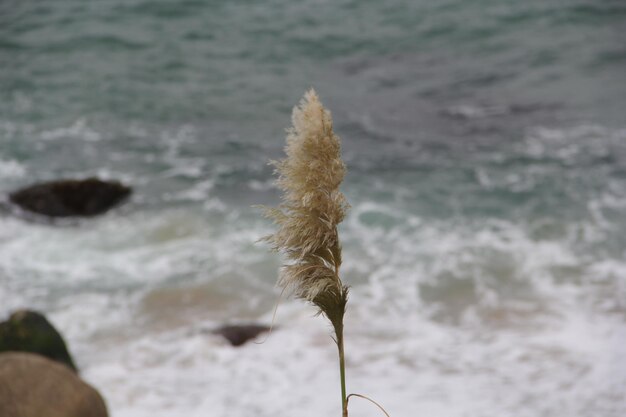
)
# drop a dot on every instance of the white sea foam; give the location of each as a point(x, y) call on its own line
point(503, 355)
point(447, 317)
point(78, 130)
point(412, 368)
point(11, 169)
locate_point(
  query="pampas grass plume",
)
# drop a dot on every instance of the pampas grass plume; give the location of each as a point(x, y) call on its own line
point(312, 207)
point(307, 218)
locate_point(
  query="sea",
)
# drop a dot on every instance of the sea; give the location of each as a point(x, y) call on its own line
point(485, 247)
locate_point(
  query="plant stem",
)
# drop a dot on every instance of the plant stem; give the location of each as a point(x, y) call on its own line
point(342, 370)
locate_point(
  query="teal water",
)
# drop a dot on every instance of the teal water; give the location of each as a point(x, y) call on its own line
point(486, 148)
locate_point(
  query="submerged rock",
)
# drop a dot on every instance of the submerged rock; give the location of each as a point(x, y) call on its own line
point(65, 198)
point(237, 335)
point(29, 331)
point(33, 386)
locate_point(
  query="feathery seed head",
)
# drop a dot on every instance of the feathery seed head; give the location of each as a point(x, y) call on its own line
point(312, 207)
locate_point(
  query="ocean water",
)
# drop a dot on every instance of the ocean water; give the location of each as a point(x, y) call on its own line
point(485, 246)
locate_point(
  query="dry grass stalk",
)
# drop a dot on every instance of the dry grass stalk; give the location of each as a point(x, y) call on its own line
point(312, 207)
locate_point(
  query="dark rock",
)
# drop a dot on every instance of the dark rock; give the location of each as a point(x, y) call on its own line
point(237, 335)
point(34, 386)
point(29, 331)
point(67, 198)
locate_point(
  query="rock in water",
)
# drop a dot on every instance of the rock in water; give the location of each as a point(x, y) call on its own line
point(33, 386)
point(67, 198)
point(237, 335)
point(29, 331)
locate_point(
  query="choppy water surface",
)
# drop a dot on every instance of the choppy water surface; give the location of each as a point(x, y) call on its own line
point(486, 245)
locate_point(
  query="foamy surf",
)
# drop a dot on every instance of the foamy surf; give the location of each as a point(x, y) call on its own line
point(445, 319)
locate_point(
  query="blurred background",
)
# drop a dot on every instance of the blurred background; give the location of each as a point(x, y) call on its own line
point(486, 244)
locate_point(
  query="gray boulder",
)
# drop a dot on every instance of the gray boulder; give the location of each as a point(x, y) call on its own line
point(30, 331)
point(33, 386)
point(239, 334)
point(67, 198)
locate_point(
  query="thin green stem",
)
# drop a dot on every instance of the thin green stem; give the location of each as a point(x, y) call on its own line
point(342, 371)
point(370, 400)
